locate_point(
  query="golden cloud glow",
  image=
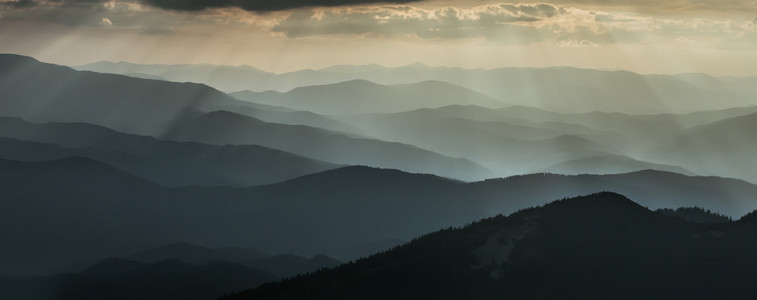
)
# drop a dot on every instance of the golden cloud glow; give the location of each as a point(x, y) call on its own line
point(595, 34)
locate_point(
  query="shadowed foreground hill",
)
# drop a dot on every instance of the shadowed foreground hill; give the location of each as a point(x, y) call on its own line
point(592, 247)
point(124, 279)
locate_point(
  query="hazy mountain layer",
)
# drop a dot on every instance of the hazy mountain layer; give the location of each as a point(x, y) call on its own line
point(517, 140)
point(512, 140)
point(503, 147)
point(360, 96)
point(44, 92)
point(320, 213)
point(167, 110)
point(560, 89)
point(227, 128)
point(164, 162)
point(724, 148)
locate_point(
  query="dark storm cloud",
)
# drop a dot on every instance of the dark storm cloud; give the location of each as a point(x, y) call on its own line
point(93, 13)
point(199, 5)
point(258, 5)
point(19, 4)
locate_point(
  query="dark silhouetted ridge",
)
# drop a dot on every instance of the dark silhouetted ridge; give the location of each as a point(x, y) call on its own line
point(695, 215)
point(596, 246)
point(196, 254)
point(603, 203)
point(111, 266)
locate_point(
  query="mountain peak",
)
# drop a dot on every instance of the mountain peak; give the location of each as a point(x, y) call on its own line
point(601, 200)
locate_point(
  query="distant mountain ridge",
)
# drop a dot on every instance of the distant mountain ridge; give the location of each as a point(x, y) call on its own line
point(563, 89)
point(360, 96)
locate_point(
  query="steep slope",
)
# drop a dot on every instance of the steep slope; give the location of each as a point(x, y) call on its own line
point(361, 96)
point(288, 265)
point(597, 246)
point(222, 128)
point(164, 162)
point(45, 92)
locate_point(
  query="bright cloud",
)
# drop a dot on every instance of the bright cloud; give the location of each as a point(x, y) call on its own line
point(508, 23)
point(718, 37)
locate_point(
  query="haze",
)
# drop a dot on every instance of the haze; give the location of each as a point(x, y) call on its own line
point(154, 149)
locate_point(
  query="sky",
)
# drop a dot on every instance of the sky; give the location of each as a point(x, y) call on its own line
point(645, 36)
